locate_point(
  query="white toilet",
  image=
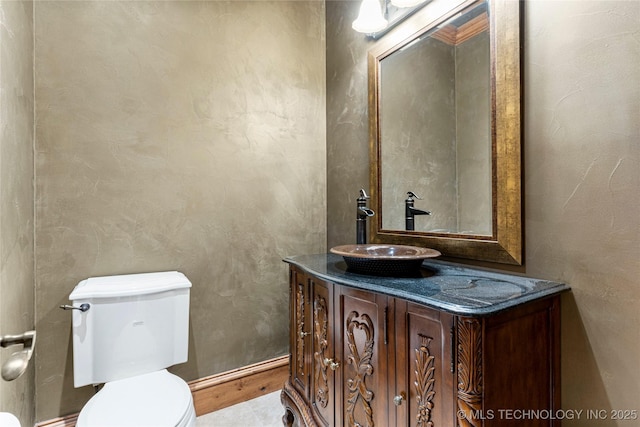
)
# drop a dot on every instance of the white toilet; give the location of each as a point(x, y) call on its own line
point(8, 420)
point(135, 327)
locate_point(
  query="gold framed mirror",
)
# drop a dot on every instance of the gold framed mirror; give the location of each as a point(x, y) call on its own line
point(445, 124)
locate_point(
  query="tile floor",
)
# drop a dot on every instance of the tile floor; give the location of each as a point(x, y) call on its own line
point(264, 411)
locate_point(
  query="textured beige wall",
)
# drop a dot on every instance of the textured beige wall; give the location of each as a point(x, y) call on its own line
point(418, 130)
point(16, 196)
point(177, 135)
point(347, 121)
point(473, 135)
point(435, 125)
point(582, 190)
point(582, 175)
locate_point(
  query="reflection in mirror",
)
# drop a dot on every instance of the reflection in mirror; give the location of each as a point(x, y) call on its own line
point(445, 124)
point(435, 124)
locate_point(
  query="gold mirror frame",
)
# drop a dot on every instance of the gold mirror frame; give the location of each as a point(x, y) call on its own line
point(506, 243)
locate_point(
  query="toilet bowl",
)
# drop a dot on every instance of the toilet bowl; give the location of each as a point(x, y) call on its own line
point(158, 399)
point(8, 420)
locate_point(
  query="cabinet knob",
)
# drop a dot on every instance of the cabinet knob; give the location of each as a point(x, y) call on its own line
point(332, 364)
point(303, 334)
point(398, 399)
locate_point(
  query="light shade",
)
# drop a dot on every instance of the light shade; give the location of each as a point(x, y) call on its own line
point(370, 19)
point(406, 3)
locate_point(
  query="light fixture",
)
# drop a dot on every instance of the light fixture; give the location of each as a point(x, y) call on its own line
point(370, 19)
point(406, 3)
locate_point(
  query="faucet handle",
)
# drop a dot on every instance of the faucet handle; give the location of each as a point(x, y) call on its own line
point(411, 194)
point(363, 195)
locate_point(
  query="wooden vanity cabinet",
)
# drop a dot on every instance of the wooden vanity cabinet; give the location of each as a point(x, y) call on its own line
point(422, 381)
point(299, 340)
point(340, 358)
point(336, 381)
point(322, 353)
point(360, 358)
point(361, 339)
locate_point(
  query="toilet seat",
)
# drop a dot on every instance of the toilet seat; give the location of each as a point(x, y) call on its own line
point(158, 399)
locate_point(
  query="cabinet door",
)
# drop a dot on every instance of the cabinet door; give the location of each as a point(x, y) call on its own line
point(362, 351)
point(424, 393)
point(322, 351)
point(299, 335)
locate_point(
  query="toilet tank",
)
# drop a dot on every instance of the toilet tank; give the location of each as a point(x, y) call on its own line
point(135, 324)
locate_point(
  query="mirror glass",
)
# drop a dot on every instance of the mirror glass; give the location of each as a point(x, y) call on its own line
point(445, 124)
point(435, 128)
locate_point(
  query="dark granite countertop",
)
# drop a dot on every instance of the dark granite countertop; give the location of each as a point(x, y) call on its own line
point(455, 288)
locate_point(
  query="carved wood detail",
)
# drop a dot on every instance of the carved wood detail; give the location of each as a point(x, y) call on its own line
point(320, 318)
point(469, 353)
point(300, 328)
point(425, 382)
point(291, 398)
point(362, 367)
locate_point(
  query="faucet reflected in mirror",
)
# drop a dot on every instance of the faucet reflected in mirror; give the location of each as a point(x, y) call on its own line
point(410, 212)
point(362, 213)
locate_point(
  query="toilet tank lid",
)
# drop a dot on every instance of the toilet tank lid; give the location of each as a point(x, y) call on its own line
point(129, 285)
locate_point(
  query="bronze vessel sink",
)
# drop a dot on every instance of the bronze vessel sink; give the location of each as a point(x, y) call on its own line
point(383, 259)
